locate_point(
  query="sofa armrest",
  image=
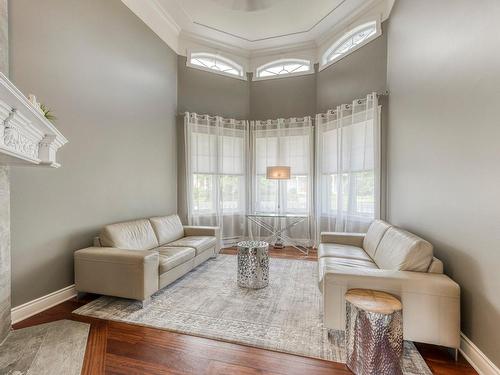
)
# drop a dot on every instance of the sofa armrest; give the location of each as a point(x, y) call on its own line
point(431, 302)
point(121, 273)
point(352, 239)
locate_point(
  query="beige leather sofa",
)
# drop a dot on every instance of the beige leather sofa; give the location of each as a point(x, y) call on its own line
point(390, 259)
point(135, 259)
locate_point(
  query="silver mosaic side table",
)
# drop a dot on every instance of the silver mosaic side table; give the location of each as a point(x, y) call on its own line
point(374, 333)
point(253, 264)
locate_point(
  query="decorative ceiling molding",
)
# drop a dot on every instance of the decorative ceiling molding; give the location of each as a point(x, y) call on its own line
point(158, 19)
point(172, 22)
point(272, 36)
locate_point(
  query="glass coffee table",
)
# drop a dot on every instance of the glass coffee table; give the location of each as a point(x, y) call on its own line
point(277, 231)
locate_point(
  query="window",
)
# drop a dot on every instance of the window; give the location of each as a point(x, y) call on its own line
point(283, 67)
point(349, 176)
point(350, 41)
point(289, 145)
point(215, 63)
point(348, 166)
point(218, 163)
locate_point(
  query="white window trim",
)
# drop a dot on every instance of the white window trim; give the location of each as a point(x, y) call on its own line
point(243, 77)
point(276, 62)
point(323, 64)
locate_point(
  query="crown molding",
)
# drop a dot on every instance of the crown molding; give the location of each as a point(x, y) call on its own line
point(158, 20)
point(186, 38)
point(184, 35)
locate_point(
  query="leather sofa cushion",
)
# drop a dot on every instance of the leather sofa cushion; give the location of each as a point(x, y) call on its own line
point(200, 243)
point(342, 263)
point(375, 233)
point(436, 266)
point(403, 251)
point(171, 257)
point(129, 235)
point(167, 228)
point(342, 251)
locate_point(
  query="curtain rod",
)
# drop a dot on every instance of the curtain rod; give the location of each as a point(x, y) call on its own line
point(380, 93)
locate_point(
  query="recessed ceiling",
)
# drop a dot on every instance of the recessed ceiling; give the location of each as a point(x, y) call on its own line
point(269, 19)
point(252, 25)
point(246, 5)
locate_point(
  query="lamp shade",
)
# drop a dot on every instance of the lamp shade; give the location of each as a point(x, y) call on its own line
point(278, 173)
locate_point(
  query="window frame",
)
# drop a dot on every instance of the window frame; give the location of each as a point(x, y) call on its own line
point(282, 61)
point(235, 65)
point(324, 63)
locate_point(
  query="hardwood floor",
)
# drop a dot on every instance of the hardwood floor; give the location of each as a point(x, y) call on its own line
point(120, 348)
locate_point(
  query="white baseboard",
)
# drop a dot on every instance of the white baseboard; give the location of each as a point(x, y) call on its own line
point(476, 357)
point(43, 303)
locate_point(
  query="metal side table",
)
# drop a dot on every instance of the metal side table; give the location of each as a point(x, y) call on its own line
point(374, 333)
point(253, 264)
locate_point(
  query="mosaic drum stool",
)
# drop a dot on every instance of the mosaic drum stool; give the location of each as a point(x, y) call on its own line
point(253, 264)
point(374, 332)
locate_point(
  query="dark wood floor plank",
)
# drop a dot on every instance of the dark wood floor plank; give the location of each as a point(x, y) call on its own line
point(95, 356)
point(117, 348)
point(203, 350)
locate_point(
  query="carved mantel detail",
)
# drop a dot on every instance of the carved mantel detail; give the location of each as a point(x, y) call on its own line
point(26, 136)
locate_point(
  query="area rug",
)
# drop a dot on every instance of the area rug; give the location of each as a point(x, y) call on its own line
point(45, 349)
point(285, 316)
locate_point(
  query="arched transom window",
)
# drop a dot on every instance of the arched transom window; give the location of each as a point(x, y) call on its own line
point(216, 63)
point(283, 67)
point(352, 39)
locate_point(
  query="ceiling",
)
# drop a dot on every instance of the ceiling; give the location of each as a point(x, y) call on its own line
point(255, 20)
point(249, 26)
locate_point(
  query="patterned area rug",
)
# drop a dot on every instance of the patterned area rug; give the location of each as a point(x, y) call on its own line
point(285, 316)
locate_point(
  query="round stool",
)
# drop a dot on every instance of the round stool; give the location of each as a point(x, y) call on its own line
point(374, 332)
point(253, 264)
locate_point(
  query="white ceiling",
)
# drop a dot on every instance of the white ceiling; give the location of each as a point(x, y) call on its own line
point(255, 20)
point(253, 27)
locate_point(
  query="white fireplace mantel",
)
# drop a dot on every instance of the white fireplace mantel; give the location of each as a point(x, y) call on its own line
point(26, 136)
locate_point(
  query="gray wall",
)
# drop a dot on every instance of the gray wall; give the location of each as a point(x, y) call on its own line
point(354, 76)
point(214, 94)
point(113, 86)
point(444, 154)
point(283, 97)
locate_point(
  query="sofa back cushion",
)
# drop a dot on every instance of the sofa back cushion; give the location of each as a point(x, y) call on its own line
point(403, 251)
point(436, 266)
point(129, 235)
point(372, 238)
point(167, 228)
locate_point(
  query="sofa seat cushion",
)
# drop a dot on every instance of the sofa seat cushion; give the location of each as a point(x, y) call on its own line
point(374, 235)
point(342, 251)
point(400, 250)
point(129, 235)
point(200, 243)
point(171, 257)
point(167, 228)
point(342, 263)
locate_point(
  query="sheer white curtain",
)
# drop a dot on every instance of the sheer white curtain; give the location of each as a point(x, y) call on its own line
point(216, 173)
point(348, 166)
point(283, 142)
